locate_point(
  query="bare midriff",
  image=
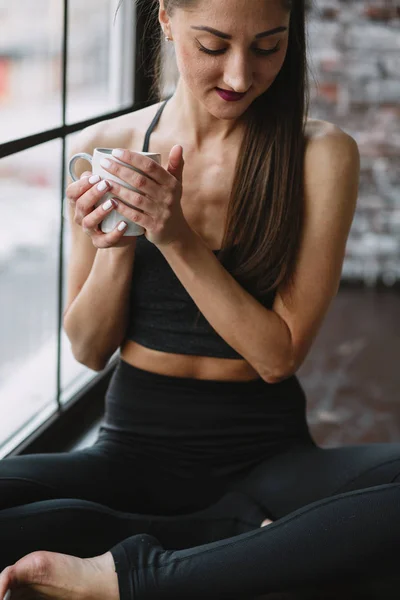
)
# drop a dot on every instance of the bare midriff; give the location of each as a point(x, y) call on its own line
point(204, 201)
point(185, 365)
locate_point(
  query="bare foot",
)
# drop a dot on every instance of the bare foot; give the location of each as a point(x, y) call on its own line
point(266, 522)
point(50, 575)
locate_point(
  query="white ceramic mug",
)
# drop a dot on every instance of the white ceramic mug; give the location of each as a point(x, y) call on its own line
point(111, 220)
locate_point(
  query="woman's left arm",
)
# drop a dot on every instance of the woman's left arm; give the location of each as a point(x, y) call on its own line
point(275, 342)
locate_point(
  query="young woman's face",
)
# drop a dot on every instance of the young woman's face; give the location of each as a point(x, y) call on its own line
point(245, 59)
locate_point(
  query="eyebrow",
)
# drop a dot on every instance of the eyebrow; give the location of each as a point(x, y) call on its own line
point(226, 36)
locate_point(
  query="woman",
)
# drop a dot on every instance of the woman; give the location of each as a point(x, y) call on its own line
point(205, 437)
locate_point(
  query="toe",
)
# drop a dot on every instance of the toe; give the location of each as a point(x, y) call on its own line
point(266, 522)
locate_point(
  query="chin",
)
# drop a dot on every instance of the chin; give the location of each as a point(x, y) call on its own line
point(229, 113)
point(232, 110)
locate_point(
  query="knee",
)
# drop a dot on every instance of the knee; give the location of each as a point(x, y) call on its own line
point(16, 492)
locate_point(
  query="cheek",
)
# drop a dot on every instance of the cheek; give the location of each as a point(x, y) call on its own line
point(274, 67)
point(280, 61)
point(194, 67)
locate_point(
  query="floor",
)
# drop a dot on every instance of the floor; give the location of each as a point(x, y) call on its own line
point(351, 375)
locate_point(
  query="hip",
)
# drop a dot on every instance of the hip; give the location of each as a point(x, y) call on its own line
point(203, 421)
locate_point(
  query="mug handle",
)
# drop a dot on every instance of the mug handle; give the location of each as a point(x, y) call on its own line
point(71, 166)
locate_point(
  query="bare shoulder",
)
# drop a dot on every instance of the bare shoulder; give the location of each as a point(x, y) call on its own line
point(330, 152)
point(331, 167)
point(125, 131)
point(331, 155)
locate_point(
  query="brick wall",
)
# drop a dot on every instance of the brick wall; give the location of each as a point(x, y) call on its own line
point(355, 60)
point(354, 51)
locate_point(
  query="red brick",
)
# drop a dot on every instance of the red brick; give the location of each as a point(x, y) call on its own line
point(329, 12)
point(381, 13)
point(328, 91)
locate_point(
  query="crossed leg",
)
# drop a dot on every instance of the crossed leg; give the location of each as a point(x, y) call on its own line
point(224, 552)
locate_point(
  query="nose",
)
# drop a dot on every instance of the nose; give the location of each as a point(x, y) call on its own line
point(238, 73)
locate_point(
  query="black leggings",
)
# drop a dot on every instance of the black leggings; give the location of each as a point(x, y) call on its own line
point(335, 511)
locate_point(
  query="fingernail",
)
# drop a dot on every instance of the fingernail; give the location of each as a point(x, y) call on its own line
point(94, 178)
point(107, 205)
point(102, 186)
point(105, 163)
point(7, 595)
point(122, 226)
point(117, 153)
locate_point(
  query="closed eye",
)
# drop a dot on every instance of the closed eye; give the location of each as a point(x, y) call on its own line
point(258, 51)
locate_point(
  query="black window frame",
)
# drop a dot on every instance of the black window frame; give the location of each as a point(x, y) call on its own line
point(75, 416)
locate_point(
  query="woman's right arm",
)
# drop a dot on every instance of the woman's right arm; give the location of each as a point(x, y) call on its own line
point(98, 288)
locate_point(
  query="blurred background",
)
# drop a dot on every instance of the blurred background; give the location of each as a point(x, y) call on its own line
point(65, 64)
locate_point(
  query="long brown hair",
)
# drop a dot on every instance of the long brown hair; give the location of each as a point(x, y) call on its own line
point(265, 212)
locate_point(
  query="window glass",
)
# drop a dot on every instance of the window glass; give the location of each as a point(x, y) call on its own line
point(99, 59)
point(29, 256)
point(30, 67)
point(74, 375)
point(100, 79)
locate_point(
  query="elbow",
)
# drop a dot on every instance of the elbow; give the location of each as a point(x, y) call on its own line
point(285, 370)
point(82, 356)
point(284, 361)
point(94, 366)
point(90, 361)
point(278, 377)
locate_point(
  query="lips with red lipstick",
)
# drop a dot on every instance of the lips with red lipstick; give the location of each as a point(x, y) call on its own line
point(229, 96)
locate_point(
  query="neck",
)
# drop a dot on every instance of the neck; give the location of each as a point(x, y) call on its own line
point(201, 128)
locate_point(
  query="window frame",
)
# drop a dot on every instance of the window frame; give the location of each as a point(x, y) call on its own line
point(137, 60)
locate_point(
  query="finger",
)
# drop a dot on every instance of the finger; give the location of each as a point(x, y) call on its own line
point(91, 226)
point(176, 162)
point(140, 181)
point(146, 165)
point(87, 201)
point(136, 215)
point(133, 200)
point(90, 223)
point(79, 187)
point(113, 238)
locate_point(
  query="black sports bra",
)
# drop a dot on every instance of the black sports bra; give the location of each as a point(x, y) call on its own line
point(163, 315)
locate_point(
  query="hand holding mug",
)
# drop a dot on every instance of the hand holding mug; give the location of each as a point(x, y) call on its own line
point(148, 196)
point(110, 219)
point(84, 195)
point(152, 198)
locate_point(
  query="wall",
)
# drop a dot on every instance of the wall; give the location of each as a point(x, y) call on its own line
point(355, 57)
